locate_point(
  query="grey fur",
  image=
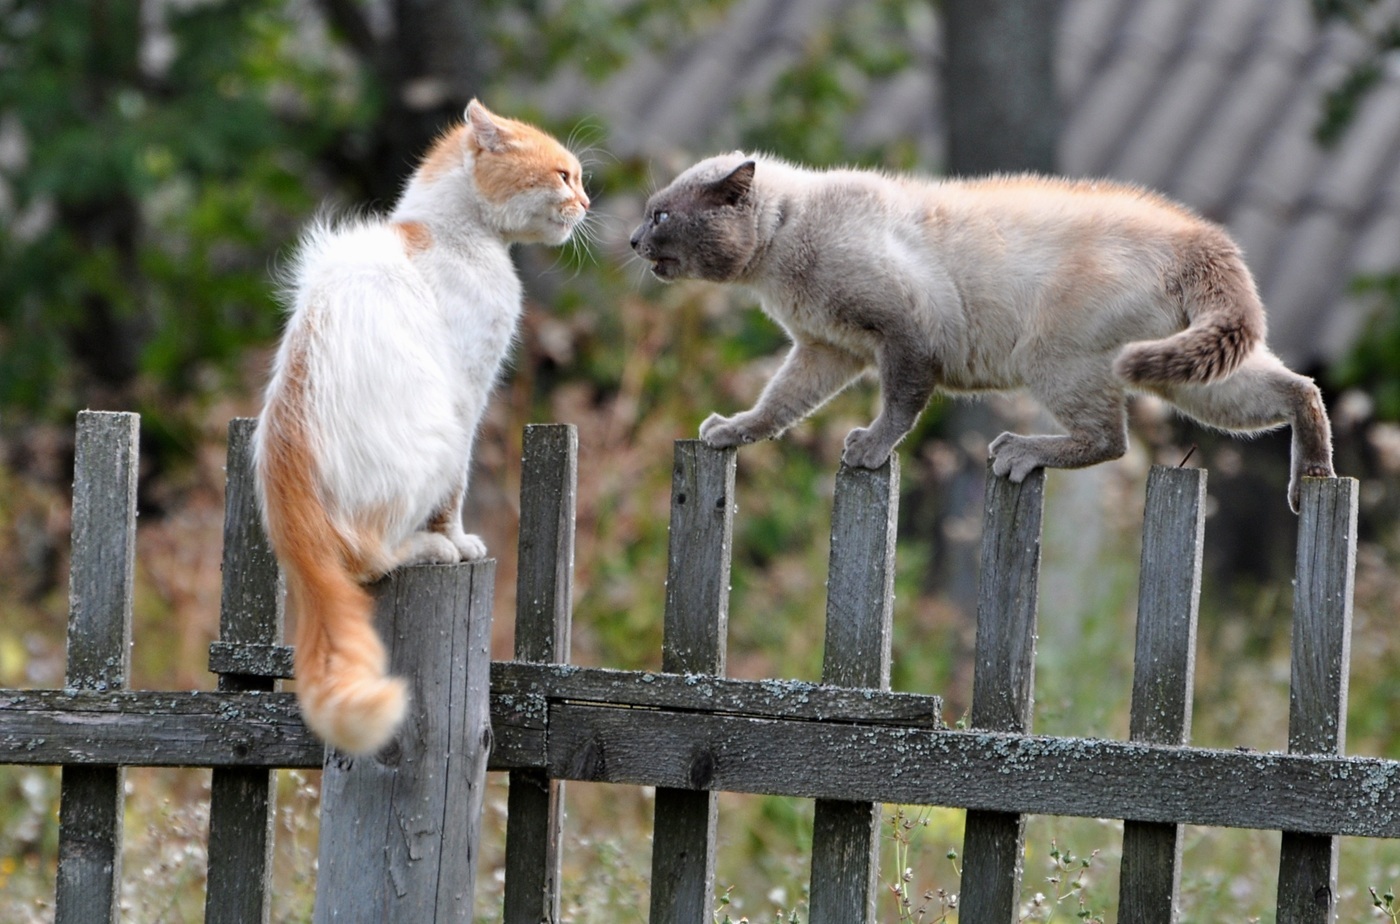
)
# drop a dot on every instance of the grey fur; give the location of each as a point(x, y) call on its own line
point(1079, 292)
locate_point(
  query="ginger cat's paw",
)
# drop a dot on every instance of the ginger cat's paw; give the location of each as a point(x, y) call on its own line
point(427, 548)
point(723, 432)
point(470, 545)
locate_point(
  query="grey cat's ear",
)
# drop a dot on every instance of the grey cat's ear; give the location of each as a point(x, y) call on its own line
point(736, 186)
point(487, 133)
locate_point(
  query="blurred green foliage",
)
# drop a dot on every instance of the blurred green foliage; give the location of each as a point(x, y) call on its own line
point(152, 170)
point(1374, 363)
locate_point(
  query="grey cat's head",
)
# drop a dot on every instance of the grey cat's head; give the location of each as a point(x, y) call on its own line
point(704, 225)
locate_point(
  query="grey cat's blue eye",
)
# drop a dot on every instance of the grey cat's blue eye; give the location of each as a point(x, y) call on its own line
point(661, 218)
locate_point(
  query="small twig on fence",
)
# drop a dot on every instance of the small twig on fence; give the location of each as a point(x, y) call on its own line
point(1189, 453)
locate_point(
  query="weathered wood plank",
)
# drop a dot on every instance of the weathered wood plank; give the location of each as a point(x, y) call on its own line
point(859, 610)
point(700, 692)
point(544, 600)
point(155, 729)
point(399, 829)
point(102, 580)
point(698, 561)
point(1350, 796)
point(1006, 773)
point(1322, 610)
point(519, 734)
point(1002, 682)
point(796, 699)
point(243, 800)
point(696, 626)
point(1164, 664)
point(274, 662)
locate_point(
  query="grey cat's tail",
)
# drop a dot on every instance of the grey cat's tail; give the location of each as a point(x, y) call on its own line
point(1226, 320)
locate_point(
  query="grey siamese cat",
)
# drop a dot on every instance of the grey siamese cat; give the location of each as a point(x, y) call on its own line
point(1080, 292)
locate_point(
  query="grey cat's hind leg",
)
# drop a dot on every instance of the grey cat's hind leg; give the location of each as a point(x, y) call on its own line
point(1095, 413)
point(1261, 395)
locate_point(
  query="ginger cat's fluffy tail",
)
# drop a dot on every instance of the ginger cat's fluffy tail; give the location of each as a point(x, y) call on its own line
point(345, 693)
point(343, 687)
point(1226, 321)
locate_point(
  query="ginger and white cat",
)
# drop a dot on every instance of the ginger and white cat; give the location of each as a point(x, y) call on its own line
point(397, 332)
point(1079, 292)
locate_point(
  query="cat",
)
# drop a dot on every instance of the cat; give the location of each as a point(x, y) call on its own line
point(397, 331)
point(1077, 291)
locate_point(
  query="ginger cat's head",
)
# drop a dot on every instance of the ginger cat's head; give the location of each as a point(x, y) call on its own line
point(703, 225)
point(530, 186)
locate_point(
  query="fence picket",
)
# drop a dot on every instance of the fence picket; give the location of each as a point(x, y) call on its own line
point(1322, 598)
point(102, 579)
point(243, 801)
point(1002, 682)
point(860, 607)
point(535, 804)
point(696, 623)
point(399, 830)
point(1164, 661)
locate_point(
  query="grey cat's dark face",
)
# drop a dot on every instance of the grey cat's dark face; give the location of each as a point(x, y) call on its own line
point(700, 229)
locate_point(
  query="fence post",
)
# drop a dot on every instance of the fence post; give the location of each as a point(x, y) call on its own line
point(1164, 663)
point(1002, 681)
point(399, 830)
point(696, 624)
point(243, 801)
point(859, 610)
point(101, 579)
point(535, 809)
point(1322, 600)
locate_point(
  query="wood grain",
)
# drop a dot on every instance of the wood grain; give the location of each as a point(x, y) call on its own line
point(544, 600)
point(693, 641)
point(243, 800)
point(399, 829)
point(1322, 609)
point(859, 611)
point(102, 582)
point(1164, 661)
point(1002, 682)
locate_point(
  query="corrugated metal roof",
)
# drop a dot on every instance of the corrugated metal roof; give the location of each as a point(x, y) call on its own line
point(1213, 102)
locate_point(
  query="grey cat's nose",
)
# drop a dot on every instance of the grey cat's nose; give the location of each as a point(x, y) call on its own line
point(636, 237)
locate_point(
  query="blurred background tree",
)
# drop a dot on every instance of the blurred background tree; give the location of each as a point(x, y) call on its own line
point(156, 156)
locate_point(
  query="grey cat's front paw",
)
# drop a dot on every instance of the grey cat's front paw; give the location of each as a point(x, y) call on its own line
point(866, 450)
point(1303, 470)
point(723, 432)
point(1014, 457)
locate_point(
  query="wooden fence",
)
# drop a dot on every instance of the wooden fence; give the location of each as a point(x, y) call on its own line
point(399, 831)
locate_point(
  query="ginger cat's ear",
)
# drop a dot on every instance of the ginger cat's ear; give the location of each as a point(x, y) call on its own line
point(486, 132)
